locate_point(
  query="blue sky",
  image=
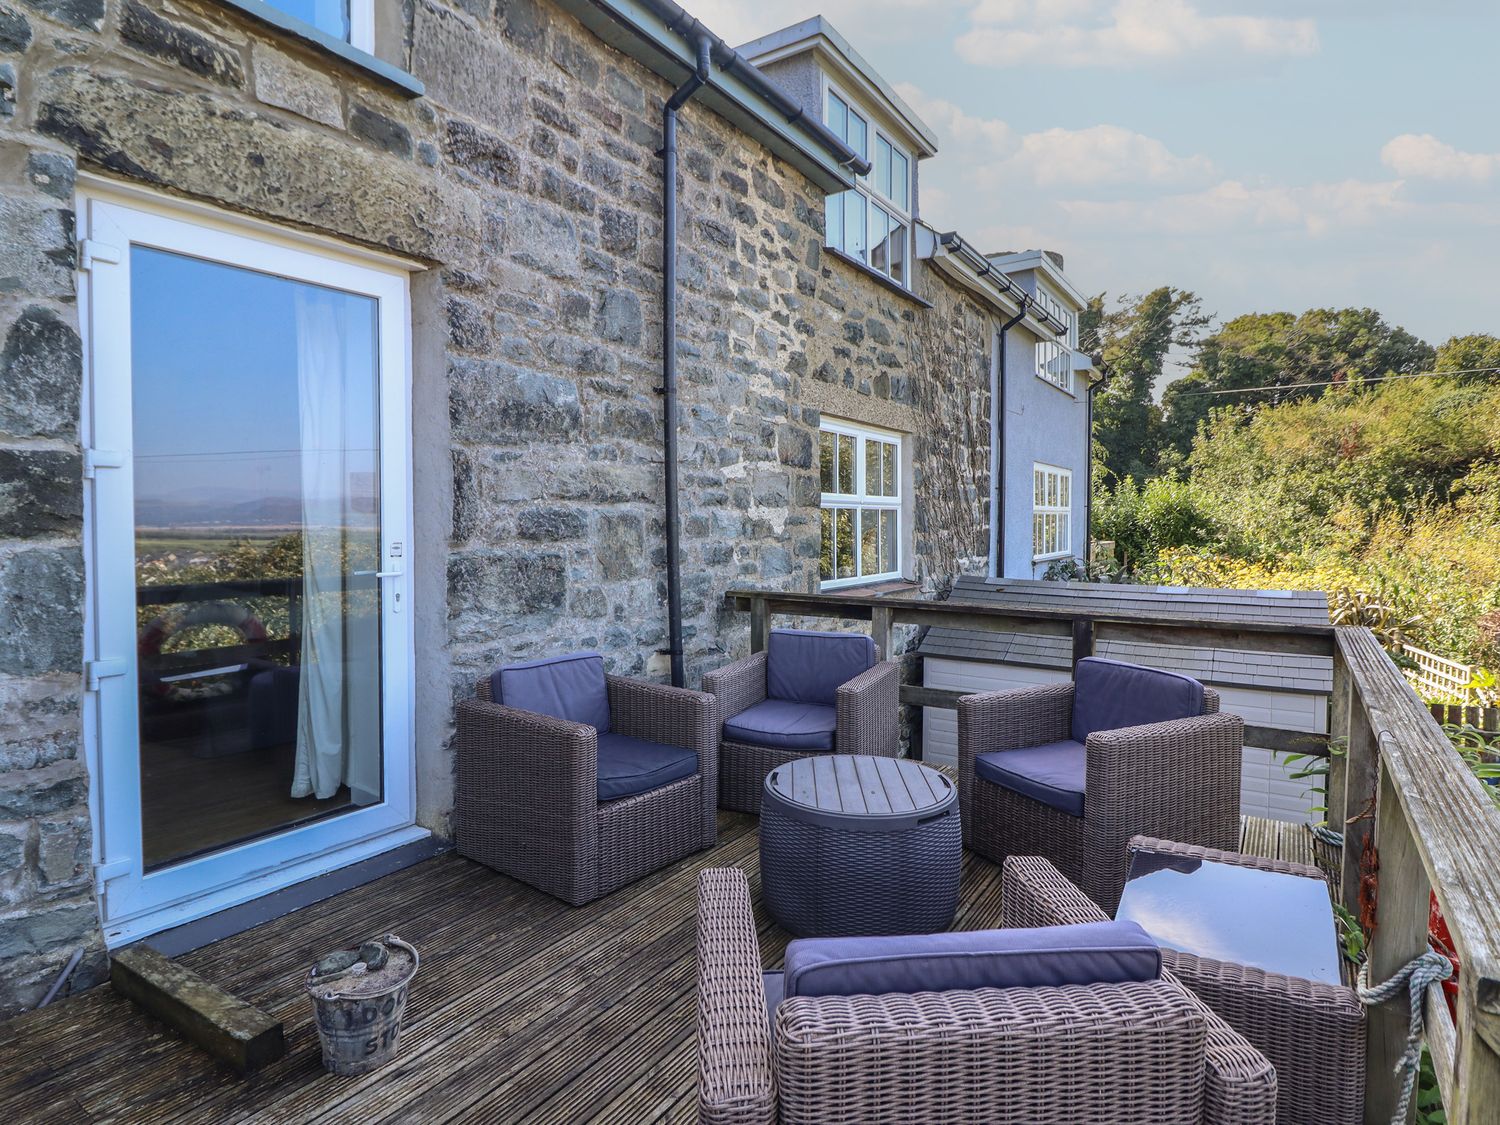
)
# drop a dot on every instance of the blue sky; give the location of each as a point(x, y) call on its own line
point(1265, 154)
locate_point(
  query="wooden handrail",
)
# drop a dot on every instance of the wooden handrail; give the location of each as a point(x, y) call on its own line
point(1400, 785)
point(1434, 829)
point(1085, 630)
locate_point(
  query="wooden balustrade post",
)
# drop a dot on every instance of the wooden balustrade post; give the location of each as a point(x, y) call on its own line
point(759, 620)
point(1083, 638)
point(1361, 776)
point(1476, 1085)
point(1340, 700)
point(1400, 936)
point(881, 629)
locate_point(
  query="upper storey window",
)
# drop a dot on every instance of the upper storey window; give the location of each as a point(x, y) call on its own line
point(871, 223)
point(353, 21)
point(1063, 313)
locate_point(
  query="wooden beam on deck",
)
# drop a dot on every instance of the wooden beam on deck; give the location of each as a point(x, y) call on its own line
point(233, 1031)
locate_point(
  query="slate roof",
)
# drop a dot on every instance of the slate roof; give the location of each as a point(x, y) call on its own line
point(1224, 667)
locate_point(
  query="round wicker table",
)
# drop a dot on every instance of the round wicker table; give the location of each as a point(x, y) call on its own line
point(859, 845)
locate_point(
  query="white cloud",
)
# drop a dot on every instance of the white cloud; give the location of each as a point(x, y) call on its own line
point(1106, 154)
point(1232, 207)
point(863, 21)
point(993, 153)
point(1423, 156)
point(1096, 33)
point(1072, 33)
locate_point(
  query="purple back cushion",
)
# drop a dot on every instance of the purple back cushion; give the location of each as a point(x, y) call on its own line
point(1110, 695)
point(1091, 953)
point(809, 667)
point(568, 687)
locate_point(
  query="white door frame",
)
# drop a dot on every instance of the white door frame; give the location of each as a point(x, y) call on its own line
point(133, 903)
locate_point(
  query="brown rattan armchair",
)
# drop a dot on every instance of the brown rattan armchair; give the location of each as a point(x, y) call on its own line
point(1312, 1033)
point(1139, 1053)
point(837, 715)
point(529, 800)
point(1078, 801)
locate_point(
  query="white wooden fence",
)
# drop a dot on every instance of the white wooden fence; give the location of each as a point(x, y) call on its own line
point(1437, 677)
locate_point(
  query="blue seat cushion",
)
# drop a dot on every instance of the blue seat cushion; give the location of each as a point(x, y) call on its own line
point(568, 687)
point(807, 666)
point(1089, 953)
point(1111, 695)
point(774, 981)
point(1052, 774)
point(785, 725)
point(628, 766)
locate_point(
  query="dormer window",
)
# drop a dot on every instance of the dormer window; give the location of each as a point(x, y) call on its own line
point(1054, 359)
point(1054, 305)
point(871, 223)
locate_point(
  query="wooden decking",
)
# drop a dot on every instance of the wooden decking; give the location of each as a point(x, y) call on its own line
point(524, 1009)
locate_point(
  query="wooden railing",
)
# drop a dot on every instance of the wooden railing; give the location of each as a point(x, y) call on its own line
point(1397, 784)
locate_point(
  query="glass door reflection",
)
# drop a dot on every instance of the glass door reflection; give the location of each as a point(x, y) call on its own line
point(256, 421)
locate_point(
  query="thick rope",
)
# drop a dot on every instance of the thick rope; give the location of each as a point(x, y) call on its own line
point(1416, 975)
point(1328, 835)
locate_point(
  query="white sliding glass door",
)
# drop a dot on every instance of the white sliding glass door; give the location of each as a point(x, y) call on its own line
point(250, 704)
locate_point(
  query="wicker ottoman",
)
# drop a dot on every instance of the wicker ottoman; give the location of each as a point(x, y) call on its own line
point(859, 845)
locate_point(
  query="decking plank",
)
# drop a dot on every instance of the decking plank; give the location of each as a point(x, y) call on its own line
point(525, 1009)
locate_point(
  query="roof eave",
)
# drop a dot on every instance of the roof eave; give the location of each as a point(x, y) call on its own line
point(818, 35)
point(631, 28)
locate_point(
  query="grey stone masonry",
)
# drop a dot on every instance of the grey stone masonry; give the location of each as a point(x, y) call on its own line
point(526, 182)
point(47, 906)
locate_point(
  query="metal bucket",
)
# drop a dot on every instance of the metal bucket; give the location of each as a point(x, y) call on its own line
point(359, 1015)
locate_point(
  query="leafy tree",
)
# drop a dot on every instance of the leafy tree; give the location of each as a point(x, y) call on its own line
point(1133, 341)
point(1327, 348)
point(1472, 358)
point(1144, 521)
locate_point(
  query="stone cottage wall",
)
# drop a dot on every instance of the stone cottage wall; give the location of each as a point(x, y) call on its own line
point(46, 885)
point(526, 182)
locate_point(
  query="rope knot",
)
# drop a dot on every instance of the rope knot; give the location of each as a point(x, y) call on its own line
point(1428, 969)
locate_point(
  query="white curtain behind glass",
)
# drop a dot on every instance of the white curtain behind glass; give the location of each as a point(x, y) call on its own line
point(338, 705)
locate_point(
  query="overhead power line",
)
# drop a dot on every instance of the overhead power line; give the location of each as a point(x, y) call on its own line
point(1337, 382)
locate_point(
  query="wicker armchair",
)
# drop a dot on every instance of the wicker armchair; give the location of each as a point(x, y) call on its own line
point(527, 799)
point(866, 710)
point(1127, 1054)
point(1178, 779)
point(1313, 1033)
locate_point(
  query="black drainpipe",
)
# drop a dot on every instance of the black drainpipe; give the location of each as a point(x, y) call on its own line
point(1088, 474)
point(1000, 436)
point(668, 156)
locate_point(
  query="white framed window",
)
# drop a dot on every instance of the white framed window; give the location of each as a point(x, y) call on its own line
point(1054, 363)
point(871, 223)
point(861, 502)
point(1054, 358)
point(353, 21)
point(1055, 305)
point(1051, 512)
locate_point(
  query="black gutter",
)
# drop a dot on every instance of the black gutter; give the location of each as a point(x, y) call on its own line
point(668, 155)
point(729, 61)
point(952, 242)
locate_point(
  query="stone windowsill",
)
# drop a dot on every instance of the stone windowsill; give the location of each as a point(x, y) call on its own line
point(876, 275)
point(349, 56)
